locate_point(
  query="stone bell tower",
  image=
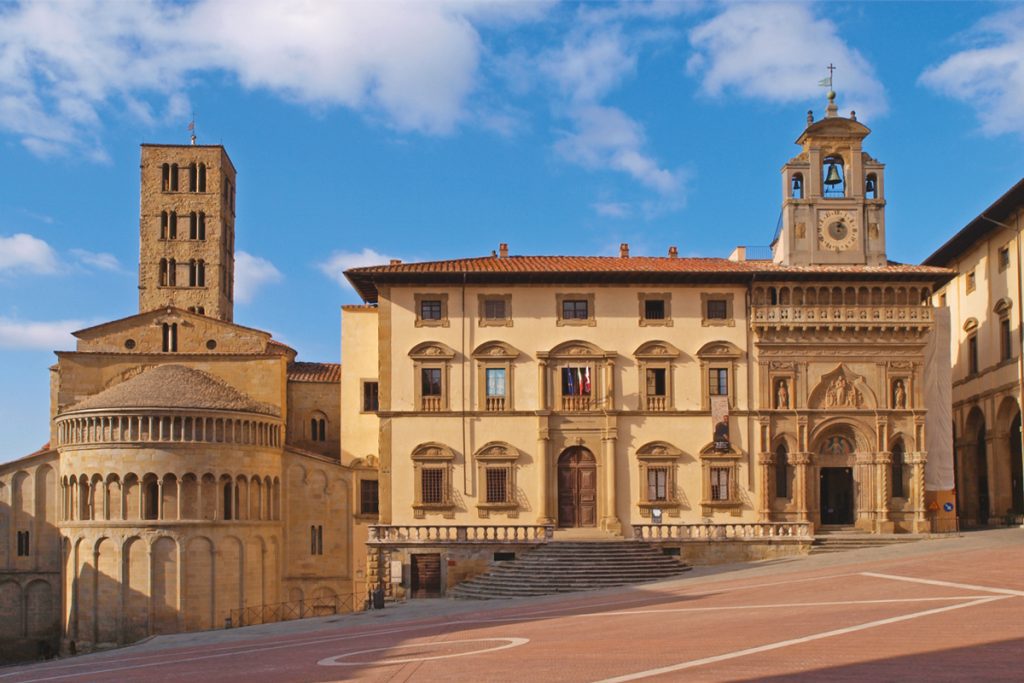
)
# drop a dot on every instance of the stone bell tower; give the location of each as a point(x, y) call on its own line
point(187, 229)
point(833, 206)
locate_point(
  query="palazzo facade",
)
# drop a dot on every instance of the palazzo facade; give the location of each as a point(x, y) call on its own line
point(615, 393)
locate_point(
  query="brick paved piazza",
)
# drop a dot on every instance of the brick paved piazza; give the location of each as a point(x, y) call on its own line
point(939, 610)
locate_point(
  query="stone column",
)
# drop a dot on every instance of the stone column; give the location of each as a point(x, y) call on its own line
point(609, 384)
point(917, 463)
point(883, 488)
point(611, 521)
point(801, 466)
point(765, 468)
point(865, 500)
point(542, 385)
point(160, 499)
point(543, 478)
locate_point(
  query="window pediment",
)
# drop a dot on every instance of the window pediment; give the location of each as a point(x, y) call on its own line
point(577, 349)
point(432, 351)
point(1002, 306)
point(656, 350)
point(970, 324)
point(496, 350)
point(497, 451)
point(720, 349)
point(433, 451)
point(658, 450)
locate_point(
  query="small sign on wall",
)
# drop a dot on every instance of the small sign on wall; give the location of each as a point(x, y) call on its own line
point(396, 571)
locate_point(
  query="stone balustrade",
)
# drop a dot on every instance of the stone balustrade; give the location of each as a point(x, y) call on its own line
point(431, 404)
point(114, 428)
point(843, 315)
point(440, 533)
point(657, 403)
point(737, 531)
point(576, 404)
point(495, 404)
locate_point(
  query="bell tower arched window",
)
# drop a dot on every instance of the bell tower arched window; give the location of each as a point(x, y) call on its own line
point(796, 186)
point(871, 186)
point(833, 177)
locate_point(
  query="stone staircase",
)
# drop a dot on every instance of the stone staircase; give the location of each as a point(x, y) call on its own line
point(566, 566)
point(841, 541)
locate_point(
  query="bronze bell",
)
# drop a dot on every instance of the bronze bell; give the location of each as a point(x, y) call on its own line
point(869, 187)
point(832, 175)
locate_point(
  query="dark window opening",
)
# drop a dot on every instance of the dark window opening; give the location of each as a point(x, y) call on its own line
point(494, 309)
point(898, 490)
point(497, 485)
point(151, 509)
point(202, 177)
point(717, 309)
point(193, 178)
point(1005, 339)
point(575, 309)
point(165, 183)
point(430, 309)
point(163, 225)
point(174, 177)
point(504, 556)
point(316, 539)
point(719, 483)
point(781, 472)
point(1004, 259)
point(871, 186)
point(229, 499)
point(318, 428)
point(431, 381)
point(654, 309)
point(170, 337)
point(23, 544)
point(657, 483)
point(369, 497)
point(656, 384)
point(718, 382)
point(797, 186)
point(172, 226)
point(432, 485)
point(371, 397)
point(972, 355)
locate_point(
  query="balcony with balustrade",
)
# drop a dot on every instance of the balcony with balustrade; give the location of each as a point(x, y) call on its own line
point(842, 308)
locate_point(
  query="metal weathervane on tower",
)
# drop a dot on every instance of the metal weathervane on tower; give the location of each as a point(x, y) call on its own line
point(192, 128)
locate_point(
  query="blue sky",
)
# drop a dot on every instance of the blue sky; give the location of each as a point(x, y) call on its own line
point(434, 130)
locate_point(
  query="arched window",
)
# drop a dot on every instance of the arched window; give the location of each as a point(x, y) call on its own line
point(172, 226)
point(898, 490)
point(193, 225)
point(871, 186)
point(316, 539)
point(202, 226)
point(229, 500)
point(170, 337)
point(796, 186)
point(165, 182)
point(151, 509)
point(174, 177)
point(318, 428)
point(833, 177)
point(172, 273)
point(163, 225)
point(781, 472)
point(201, 273)
point(193, 177)
point(202, 177)
point(163, 272)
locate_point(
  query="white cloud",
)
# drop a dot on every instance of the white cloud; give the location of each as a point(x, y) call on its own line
point(340, 261)
point(990, 76)
point(98, 260)
point(64, 64)
point(24, 253)
point(251, 274)
point(593, 62)
point(46, 336)
point(612, 209)
point(778, 53)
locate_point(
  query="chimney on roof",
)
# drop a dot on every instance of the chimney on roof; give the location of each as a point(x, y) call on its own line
point(624, 250)
point(503, 250)
point(395, 261)
point(673, 252)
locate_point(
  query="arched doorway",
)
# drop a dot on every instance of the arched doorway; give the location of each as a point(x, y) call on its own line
point(835, 480)
point(577, 488)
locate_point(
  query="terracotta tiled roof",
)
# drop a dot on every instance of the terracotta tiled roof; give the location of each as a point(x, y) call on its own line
point(314, 372)
point(42, 450)
point(174, 387)
point(1000, 211)
point(575, 268)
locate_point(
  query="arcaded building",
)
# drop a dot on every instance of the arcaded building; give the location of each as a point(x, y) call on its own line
point(193, 476)
point(984, 301)
point(790, 385)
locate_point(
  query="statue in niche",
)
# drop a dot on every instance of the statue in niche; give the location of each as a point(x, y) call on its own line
point(899, 394)
point(841, 394)
point(782, 395)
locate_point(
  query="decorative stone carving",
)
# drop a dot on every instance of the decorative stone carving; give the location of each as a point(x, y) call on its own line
point(841, 389)
point(899, 395)
point(842, 394)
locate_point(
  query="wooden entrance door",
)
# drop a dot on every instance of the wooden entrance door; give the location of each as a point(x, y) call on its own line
point(836, 495)
point(426, 575)
point(577, 488)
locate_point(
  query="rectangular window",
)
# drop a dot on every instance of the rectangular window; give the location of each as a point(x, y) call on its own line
point(656, 382)
point(431, 381)
point(371, 401)
point(432, 483)
point(430, 309)
point(717, 309)
point(23, 547)
point(972, 355)
point(576, 381)
point(654, 309)
point(495, 382)
point(970, 282)
point(657, 483)
point(719, 483)
point(497, 484)
point(369, 501)
point(1004, 259)
point(575, 309)
point(718, 382)
point(494, 309)
point(1005, 339)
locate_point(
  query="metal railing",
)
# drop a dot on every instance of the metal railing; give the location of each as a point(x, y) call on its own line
point(738, 531)
point(293, 609)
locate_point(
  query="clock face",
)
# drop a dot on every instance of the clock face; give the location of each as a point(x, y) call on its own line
point(837, 229)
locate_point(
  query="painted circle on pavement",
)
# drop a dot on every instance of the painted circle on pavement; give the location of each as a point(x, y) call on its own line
point(340, 660)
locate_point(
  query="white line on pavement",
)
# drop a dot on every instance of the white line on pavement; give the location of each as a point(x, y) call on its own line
point(947, 584)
